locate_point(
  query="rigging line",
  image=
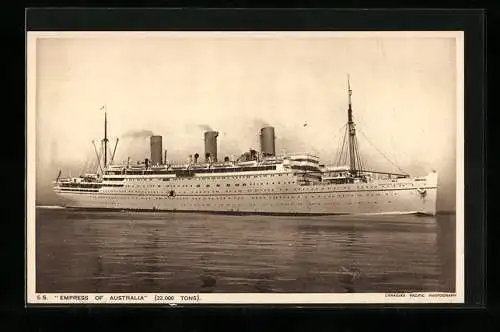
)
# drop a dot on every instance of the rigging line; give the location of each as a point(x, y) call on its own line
point(355, 152)
point(339, 141)
point(110, 152)
point(365, 126)
point(85, 165)
point(98, 157)
point(99, 166)
point(345, 146)
point(383, 154)
point(338, 150)
point(340, 160)
point(358, 154)
point(347, 151)
point(90, 162)
point(341, 150)
point(337, 135)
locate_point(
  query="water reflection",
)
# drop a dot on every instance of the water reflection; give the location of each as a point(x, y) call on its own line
point(160, 252)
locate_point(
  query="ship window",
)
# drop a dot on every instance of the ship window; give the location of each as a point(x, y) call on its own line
point(227, 185)
point(197, 185)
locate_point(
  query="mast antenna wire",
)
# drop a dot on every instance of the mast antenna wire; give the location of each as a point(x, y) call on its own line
point(86, 165)
point(358, 155)
point(114, 152)
point(378, 150)
point(340, 160)
point(338, 135)
point(340, 142)
point(344, 153)
point(98, 156)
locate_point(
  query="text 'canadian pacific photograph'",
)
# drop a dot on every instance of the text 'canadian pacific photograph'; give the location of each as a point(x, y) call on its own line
point(245, 167)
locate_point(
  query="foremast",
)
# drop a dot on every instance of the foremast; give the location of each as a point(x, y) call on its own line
point(105, 139)
point(103, 158)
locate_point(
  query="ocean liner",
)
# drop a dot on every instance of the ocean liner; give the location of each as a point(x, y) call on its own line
point(258, 182)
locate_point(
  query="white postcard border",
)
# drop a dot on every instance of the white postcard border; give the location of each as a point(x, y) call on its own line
point(33, 297)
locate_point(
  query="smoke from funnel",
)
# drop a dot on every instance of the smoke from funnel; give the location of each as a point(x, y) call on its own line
point(259, 123)
point(138, 134)
point(205, 127)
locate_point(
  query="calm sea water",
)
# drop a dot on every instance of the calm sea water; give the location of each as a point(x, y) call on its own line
point(176, 252)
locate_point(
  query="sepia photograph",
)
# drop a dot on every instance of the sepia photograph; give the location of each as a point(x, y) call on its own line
point(245, 167)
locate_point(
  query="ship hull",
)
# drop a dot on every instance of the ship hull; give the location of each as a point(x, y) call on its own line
point(244, 213)
point(391, 197)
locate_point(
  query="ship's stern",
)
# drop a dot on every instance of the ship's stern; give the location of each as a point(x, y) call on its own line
point(60, 198)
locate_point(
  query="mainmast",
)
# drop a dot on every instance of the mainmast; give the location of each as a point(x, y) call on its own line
point(351, 152)
point(352, 131)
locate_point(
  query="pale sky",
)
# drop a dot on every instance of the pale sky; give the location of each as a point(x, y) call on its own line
point(404, 96)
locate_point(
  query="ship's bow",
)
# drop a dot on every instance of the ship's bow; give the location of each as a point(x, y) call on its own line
point(428, 194)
